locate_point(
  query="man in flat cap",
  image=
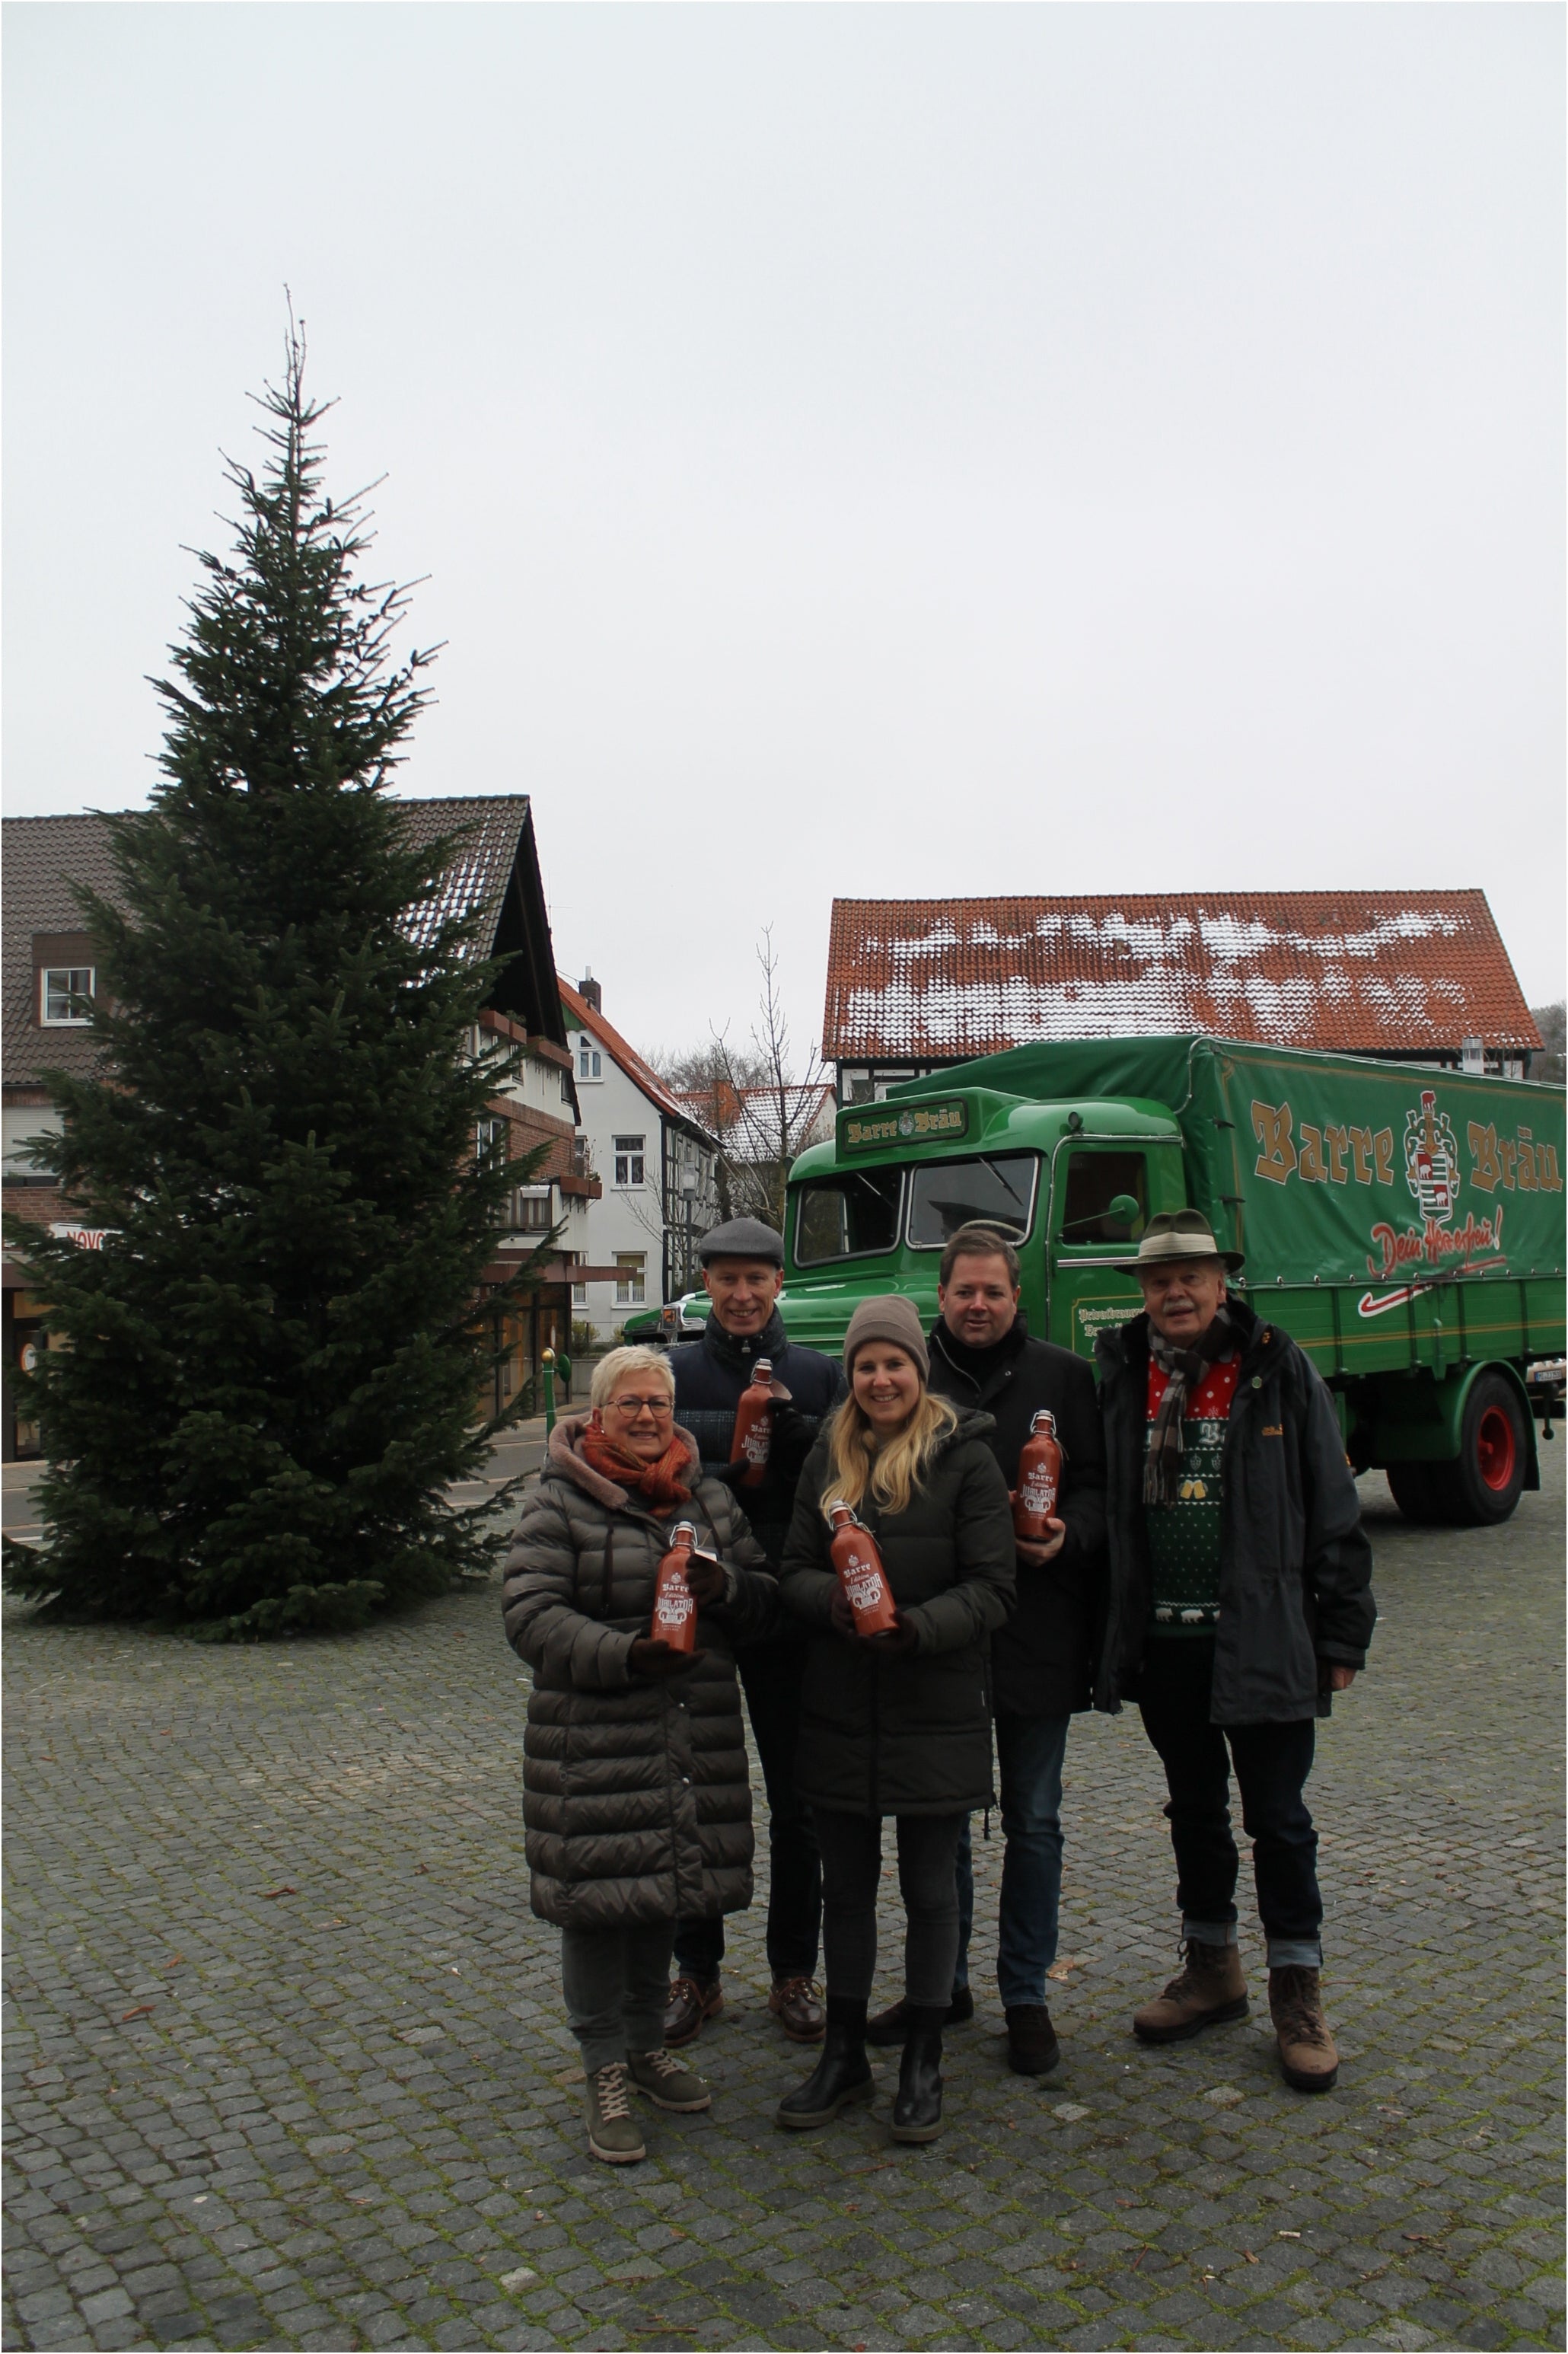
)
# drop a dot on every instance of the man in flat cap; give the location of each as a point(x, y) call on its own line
point(1240, 1602)
point(743, 1273)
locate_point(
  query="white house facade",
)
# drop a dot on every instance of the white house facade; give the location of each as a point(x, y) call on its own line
point(656, 1167)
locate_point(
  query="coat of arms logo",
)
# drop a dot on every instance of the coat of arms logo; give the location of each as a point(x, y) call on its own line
point(1431, 1159)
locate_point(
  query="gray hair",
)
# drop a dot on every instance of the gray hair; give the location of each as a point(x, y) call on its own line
point(612, 1371)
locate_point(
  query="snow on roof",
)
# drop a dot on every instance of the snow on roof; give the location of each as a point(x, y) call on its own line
point(1362, 972)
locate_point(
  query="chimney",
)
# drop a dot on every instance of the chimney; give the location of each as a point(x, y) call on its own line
point(588, 988)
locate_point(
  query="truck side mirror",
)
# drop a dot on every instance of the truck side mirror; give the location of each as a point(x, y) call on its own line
point(1124, 1210)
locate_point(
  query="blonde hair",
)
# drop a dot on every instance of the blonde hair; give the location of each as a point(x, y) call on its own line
point(612, 1371)
point(893, 1471)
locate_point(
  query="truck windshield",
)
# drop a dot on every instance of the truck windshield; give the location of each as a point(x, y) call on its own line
point(847, 1215)
point(998, 1189)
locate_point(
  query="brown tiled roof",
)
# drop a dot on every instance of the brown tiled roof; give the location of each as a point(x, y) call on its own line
point(1363, 971)
point(584, 1016)
point(45, 855)
point(746, 1120)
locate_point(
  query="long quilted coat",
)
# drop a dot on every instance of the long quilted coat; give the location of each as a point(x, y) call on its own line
point(636, 1805)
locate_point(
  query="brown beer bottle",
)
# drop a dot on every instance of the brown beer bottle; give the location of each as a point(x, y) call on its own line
point(861, 1574)
point(674, 1611)
point(1039, 1485)
point(754, 1424)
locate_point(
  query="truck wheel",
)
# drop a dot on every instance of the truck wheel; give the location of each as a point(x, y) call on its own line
point(1417, 1493)
point(1486, 1483)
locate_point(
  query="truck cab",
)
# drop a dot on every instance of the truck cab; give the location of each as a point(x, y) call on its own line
point(1072, 1185)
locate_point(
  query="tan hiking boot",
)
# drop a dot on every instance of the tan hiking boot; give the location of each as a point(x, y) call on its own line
point(1307, 2052)
point(612, 2134)
point(1209, 1990)
point(668, 2083)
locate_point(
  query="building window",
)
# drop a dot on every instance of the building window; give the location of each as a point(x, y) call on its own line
point(533, 1209)
point(629, 1159)
point(630, 1286)
point(492, 1144)
point(589, 1066)
point(61, 987)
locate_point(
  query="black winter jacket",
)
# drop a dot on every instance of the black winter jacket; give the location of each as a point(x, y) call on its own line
point(637, 1798)
point(1042, 1661)
point(906, 1732)
point(1294, 1562)
point(710, 1375)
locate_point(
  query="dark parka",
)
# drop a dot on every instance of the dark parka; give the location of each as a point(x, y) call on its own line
point(1042, 1661)
point(1294, 1562)
point(710, 1375)
point(906, 1733)
point(637, 1803)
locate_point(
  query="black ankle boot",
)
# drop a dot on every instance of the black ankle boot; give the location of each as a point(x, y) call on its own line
point(917, 2112)
point(841, 2076)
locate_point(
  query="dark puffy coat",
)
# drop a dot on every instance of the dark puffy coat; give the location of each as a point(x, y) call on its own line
point(1042, 1661)
point(636, 1797)
point(1294, 1562)
point(906, 1733)
point(710, 1375)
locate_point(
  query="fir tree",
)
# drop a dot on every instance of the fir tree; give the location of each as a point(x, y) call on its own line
point(271, 1368)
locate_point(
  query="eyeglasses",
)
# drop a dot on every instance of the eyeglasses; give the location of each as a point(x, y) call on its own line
point(633, 1408)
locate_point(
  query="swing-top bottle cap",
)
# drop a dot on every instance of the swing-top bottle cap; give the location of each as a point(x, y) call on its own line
point(1044, 1415)
point(683, 1533)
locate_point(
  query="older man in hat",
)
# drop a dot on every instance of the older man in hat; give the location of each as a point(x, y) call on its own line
point(743, 1274)
point(1240, 1601)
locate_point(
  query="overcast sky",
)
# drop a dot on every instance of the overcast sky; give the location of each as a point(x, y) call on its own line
point(876, 450)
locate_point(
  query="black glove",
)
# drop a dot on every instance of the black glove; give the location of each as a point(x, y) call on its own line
point(794, 1436)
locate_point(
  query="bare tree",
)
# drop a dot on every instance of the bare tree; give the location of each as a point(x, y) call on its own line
point(1548, 1021)
point(749, 1098)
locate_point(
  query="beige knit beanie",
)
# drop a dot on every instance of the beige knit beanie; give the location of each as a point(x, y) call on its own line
point(893, 1318)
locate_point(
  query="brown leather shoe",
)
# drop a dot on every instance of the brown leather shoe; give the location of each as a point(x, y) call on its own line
point(1209, 1990)
point(691, 2001)
point(1032, 2046)
point(1307, 2052)
point(796, 2005)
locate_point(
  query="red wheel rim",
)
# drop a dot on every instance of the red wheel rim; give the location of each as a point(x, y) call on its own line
point(1496, 1448)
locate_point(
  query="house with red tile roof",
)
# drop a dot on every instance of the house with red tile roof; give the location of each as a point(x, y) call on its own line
point(916, 985)
point(657, 1165)
point(50, 973)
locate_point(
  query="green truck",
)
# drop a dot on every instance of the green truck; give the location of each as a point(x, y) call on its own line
point(1403, 1224)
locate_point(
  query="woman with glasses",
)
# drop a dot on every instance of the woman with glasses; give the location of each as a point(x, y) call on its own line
point(637, 1803)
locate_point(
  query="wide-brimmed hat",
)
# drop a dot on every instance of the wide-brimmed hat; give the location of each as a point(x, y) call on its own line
point(1178, 1235)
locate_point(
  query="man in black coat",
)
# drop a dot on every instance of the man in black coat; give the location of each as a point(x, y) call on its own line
point(982, 1356)
point(1240, 1602)
point(743, 1273)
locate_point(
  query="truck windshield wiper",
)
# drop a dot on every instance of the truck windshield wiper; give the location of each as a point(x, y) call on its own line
point(1001, 1181)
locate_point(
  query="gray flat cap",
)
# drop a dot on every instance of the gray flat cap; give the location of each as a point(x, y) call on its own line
point(742, 1238)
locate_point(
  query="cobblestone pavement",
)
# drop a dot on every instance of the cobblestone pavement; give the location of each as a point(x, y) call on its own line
point(289, 2068)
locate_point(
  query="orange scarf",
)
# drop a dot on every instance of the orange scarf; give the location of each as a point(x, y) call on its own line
point(659, 1483)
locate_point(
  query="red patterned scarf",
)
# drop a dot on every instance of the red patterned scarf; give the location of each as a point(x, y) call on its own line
point(659, 1483)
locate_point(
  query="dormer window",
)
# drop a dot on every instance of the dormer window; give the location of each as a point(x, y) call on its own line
point(62, 989)
point(589, 1066)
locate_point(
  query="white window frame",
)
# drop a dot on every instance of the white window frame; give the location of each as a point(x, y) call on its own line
point(72, 975)
point(630, 1152)
point(631, 1283)
point(590, 1062)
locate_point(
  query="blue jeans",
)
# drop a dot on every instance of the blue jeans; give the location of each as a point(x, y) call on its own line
point(1030, 1751)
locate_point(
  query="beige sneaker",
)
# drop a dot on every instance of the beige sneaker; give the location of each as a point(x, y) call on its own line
point(1307, 2052)
point(668, 2083)
point(1209, 1990)
point(612, 2131)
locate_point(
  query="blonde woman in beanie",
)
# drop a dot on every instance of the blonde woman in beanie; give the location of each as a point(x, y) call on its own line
point(898, 1724)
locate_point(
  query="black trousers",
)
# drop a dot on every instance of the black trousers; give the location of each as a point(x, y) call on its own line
point(1271, 1763)
point(852, 1869)
point(771, 1676)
